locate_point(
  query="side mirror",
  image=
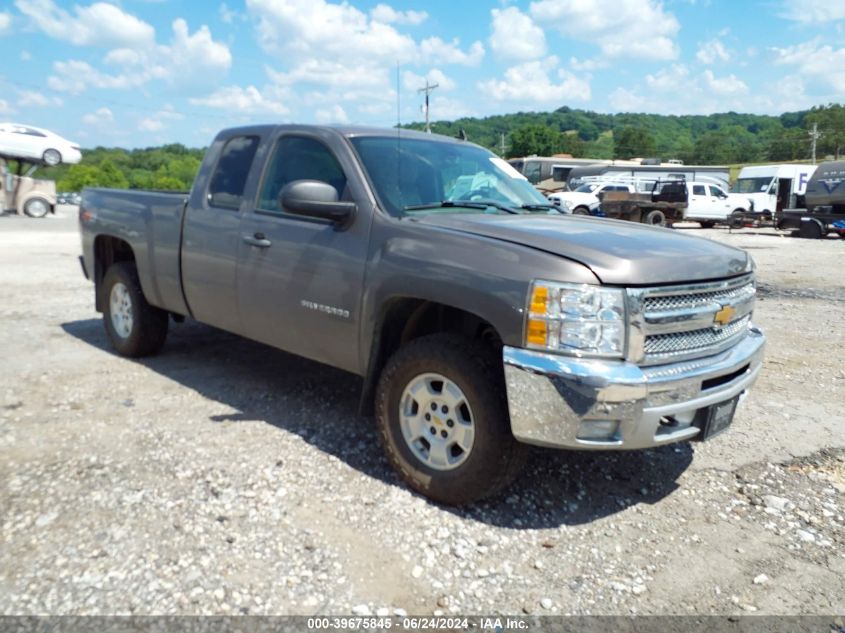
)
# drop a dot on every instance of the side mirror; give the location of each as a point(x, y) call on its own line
point(316, 199)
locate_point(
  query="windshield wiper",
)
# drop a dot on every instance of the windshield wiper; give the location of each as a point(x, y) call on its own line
point(466, 204)
point(541, 207)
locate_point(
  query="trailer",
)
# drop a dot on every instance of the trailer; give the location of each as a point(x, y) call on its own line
point(619, 169)
point(824, 210)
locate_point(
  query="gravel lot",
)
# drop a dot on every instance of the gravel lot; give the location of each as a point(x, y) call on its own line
point(225, 477)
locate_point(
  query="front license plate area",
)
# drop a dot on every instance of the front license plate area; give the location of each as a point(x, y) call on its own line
point(715, 419)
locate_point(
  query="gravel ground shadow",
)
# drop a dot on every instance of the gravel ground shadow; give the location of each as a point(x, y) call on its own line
point(320, 404)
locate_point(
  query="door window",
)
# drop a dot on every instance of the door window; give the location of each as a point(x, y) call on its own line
point(698, 190)
point(228, 181)
point(716, 192)
point(299, 158)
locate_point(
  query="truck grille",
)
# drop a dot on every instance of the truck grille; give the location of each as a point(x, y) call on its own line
point(670, 324)
point(704, 339)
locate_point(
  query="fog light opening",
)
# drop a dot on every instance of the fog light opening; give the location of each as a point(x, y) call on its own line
point(598, 430)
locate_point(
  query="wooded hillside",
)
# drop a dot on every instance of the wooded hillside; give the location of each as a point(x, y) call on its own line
point(716, 139)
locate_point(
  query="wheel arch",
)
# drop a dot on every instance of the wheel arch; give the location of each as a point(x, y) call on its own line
point(404, 319)
point(108, 250)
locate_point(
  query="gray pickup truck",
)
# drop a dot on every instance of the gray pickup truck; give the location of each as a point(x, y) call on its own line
point(480, 318)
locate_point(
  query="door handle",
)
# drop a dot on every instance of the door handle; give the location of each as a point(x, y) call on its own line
point(257, 239)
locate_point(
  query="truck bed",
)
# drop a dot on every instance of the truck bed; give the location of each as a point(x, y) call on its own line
point(151, 222)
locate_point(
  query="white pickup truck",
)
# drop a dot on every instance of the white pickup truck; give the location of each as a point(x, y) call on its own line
point(710, 204)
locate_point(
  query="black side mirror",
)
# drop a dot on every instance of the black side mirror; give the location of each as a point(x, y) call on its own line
point(316, 199)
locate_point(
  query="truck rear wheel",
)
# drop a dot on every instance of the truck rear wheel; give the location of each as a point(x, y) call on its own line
point(811, 229)
point(655, 217)
point(443, 419)
point(134, 327)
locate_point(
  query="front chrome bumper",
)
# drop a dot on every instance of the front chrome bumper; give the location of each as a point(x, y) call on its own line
point(554, 399)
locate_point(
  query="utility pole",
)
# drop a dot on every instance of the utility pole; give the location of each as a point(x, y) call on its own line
point(429, 88)
point(503, 144)
point(814, 136)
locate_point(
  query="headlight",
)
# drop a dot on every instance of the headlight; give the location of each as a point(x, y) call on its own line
point(578, 319)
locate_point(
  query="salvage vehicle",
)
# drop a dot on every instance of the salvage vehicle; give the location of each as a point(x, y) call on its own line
point(825, 204)
point(480, 319)
point(655, 202)
point(37, 145)
point(23, 194)
point(709, 204)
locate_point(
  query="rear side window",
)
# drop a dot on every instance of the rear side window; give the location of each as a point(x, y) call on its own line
point(299, 158)
point(228, 181)
point(698, 190)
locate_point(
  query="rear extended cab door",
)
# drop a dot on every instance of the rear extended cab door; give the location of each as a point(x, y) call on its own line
point(300, 280)
point(211, 228)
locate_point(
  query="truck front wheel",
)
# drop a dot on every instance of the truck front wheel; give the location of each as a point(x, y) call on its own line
point(443, 419)
point(134, 327)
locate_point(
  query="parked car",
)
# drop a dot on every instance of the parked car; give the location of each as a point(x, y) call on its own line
point(585, 198)
point(479, 318)
point(37, 145)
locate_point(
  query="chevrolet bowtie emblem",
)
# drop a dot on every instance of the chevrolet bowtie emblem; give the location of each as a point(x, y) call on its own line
point(724, 316)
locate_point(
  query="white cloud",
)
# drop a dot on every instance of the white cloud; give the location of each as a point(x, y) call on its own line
point(5, 22)
point(335, 114)
point(412, 81)
point(436, 51)
point(712, 52)
point(75, 76)
point(26, 56)
point(726, 86)
point(188, 60)
point(331, 73)
point(668, 79)
point(819, 64)
point(160, 119)
point(97, 24)
point(530, 83)
point(515, 35)
point(33, 98)
point(227, 15)
point(624, 28)
point(388, 15)
point(102, 116)
point(5, 108)
point(813, 11)
point(588, 65)
point(247, 100)
point(624, 100)
point(323, 30)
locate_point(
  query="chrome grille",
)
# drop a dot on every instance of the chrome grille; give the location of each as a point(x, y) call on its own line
point(694, 340)
point(678, 323)
point(694, 299)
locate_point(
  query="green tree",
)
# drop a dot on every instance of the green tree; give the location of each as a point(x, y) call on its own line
point(535, 139)
point(831, 124)
point(631, 142)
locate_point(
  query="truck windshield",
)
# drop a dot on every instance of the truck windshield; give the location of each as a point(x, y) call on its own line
point(420, 176)
point(751, 185)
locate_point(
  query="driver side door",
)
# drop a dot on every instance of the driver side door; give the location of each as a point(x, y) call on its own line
point(300, 279)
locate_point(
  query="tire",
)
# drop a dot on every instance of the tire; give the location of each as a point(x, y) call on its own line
point(707, 224)
point(134, 327)
point(36, 207)
point(581, 211)
point(492, 458)
point(51, 157)
point(655, 217)
point(811, 230)
point(736, 220)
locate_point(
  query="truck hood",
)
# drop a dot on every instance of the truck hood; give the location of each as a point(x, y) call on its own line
point(618, 252)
